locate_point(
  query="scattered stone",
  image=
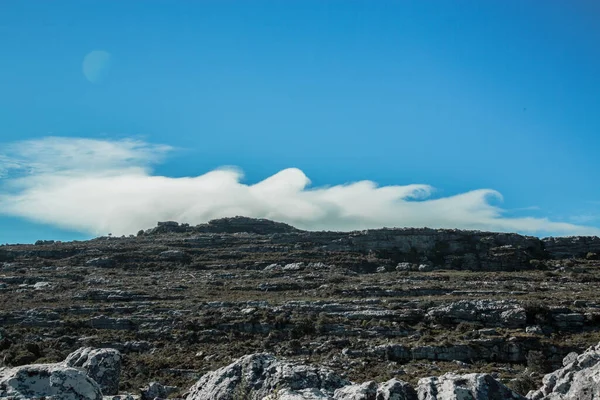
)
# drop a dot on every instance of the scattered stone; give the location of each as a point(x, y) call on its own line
point(534, 330)
point(272, 267)
point(404, 266)
point(294, 267)
point(42, 285)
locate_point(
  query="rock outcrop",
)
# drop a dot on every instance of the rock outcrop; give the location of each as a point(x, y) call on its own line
point(262, 376)
point(256, 376)
point(303, 394)
point(464, 387)
point(47, 381)
point(102, 365)
point(579, 379)
point(362, 391)
point(156, 390)
point(509, 314)
point(86, 374)
point(393, 389)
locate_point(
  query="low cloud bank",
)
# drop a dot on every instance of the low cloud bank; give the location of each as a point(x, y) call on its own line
point(107, 186)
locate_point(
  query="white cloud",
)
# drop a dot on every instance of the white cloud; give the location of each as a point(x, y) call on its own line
point(102, 186)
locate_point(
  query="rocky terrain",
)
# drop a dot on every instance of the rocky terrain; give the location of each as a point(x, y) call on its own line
point(378, 312)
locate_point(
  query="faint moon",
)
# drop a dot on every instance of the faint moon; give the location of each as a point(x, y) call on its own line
point(96, 65)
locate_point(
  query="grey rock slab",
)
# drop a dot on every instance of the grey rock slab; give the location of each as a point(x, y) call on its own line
point(464, 387)
point(304, 394)
point(363, 391)
point(48, 381)
point(490, 312)
point(579, 379)
point(259, 375)
point(102, 365)
point(155, 389)
point(395, 389)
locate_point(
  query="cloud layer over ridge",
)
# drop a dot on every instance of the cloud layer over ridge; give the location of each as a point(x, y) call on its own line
point(102, 186)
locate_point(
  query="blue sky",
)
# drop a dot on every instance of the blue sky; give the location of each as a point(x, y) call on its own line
point(457, 97)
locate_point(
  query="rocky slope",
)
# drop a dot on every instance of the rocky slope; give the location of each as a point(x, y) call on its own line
point(178, 301)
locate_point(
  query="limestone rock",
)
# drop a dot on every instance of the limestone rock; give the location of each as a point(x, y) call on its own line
point(579, 379)
point(395, 389)
point(404, 266)
point(490, 312)
point(364, 391)
point(304, 394)
point(464, 387)
point(42, 286)
point(48, 381)
point(102, 365)
point(155, 389)
point(272, 267)
point(534, 330)
point(390, 390)
point(294, 267)
point(569, 358)
point(256, 376)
